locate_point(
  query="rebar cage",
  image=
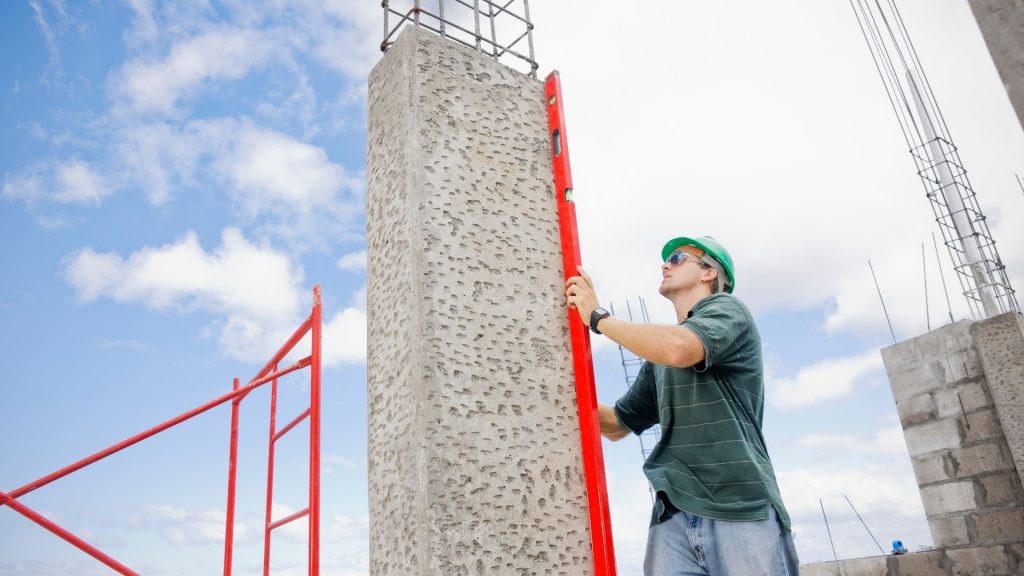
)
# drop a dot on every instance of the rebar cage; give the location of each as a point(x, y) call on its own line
point(494, 27)
point(987, 278)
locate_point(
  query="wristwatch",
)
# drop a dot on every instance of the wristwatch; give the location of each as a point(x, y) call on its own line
point(596, 316)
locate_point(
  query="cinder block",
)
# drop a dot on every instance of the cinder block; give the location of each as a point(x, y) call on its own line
point(975, 396)
point(821, 569)
point(979, 459)
point(900, 356)
point(933, 467)
point(944, 341)
point(938, 435)
point(916, 410)
point(990, 561)
point(999, 489)
point(960, 400)
point(965, 365)
point(952, 497)
point(999, 527)
point(873, 566)
point(981, 426)
point(930, 563)
point(918, 379)
point(949, 531)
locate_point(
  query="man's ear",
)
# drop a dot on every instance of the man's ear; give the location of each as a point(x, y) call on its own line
point(714, 274)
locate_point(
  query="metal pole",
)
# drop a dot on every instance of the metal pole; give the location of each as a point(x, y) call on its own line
point(314, 437)
point(924, 272)
point(75, 541)
point(156, 429)
point(270, 478)
point(964, 230)
point(383, 44)
point(229, 529)
point(828, 530)
point(942, 276)
point(440, 10)
point(891, 331)
point(864, 524)
point(416, 12)
point(494, 33)
point(529, 37)
point(476, 22)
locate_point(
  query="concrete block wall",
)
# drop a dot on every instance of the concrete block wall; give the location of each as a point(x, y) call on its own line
point(474, 453)
point(959, 392)
point(969, 484)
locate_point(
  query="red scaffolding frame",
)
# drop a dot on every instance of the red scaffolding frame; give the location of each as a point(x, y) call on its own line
point(269, 373)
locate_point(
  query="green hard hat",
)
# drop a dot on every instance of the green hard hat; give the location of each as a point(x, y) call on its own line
point(711, 247)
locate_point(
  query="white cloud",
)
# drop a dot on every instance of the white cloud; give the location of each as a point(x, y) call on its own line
point(826, 380)
point(189, 526)
point(802, 184)
point(289, 189)
point(888, 440)
point(49, 36)
point(344, 338)
point(157, 85)
point(885, 496)
point(270, 171)
point(78, 183)
point(70, 182)
point(256, 289)
point(354, 262)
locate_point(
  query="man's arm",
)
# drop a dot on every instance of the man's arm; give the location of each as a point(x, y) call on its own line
point(611, 427)
point(661, 344)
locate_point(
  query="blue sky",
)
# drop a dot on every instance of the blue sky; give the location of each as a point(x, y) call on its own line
point(174, 177)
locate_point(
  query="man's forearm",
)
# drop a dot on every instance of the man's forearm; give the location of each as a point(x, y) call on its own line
point(661, 344)
point(611, 428)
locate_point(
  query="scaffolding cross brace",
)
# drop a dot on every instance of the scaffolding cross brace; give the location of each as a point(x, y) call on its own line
point(269, 373)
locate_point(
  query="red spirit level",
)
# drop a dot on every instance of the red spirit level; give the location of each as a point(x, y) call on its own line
point(583, 366)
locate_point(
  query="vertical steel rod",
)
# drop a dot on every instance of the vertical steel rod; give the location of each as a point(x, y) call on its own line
point(229, 528)
point(891, 331)
point(476, 22)
point(924, 271)
point(828, 530)
point(314, 437)
point(942, 276)
point(440, 10)
point(494, 33)
point(529, 37)
point(270, 477)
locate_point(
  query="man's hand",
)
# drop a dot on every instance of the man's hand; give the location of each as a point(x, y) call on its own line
point(579, 293)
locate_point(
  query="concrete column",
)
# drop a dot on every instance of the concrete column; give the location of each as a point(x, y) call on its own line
point(1002, 26)
point(474, 456)
point(1000, 343)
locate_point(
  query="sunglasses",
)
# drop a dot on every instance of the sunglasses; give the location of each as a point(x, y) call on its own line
point(679, 256)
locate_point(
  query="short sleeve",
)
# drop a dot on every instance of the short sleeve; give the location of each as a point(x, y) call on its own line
point(638, 409)
point(720, 324)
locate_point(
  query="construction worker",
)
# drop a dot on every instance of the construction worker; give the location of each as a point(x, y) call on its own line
point(718, 510)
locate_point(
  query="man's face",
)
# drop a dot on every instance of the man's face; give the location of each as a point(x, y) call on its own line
point(684, 276)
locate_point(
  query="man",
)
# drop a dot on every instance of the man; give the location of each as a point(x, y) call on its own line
point(718, 510)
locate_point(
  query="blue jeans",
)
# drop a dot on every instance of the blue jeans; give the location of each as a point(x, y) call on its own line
point(689, 545)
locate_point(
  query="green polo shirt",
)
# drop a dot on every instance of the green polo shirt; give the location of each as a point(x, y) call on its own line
point(711, 459)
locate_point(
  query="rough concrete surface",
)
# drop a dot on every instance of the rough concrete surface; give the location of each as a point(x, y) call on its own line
point(1002, 26)
point(1000, 342)
point(475, 463)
